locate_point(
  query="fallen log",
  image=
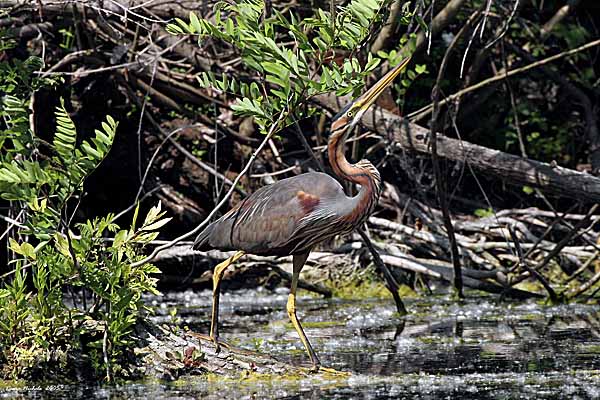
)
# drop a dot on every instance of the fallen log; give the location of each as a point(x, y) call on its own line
point(444, 271)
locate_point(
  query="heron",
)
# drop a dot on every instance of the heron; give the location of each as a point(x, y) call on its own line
point(293, 215)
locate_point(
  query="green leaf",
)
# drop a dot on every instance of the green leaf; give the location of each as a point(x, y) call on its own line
point(120, 238)
point(320, 44)
point(327, 76)
point(135, 216)
point(528, 190)
point(28, 250)
point(276, 69)
point(8, 176)
point(484, 212)
point(229, 28)
point(174, 29)
point(65, 135)
point(89, 150)
point(420, 68)
point(372, 64)
point(14, 246)
point(277, 81)
point(61, 244)
point(195, 23)
point(156, 225)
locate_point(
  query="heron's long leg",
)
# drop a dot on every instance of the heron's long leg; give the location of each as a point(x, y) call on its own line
point(217, 275)
point(299, 261)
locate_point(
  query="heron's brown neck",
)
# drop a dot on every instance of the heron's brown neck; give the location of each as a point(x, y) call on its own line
point(362, 173)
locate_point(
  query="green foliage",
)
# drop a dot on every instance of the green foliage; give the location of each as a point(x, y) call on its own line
point(545, 139)
point(528, 189)
point(483, 212)
point(394, 57)
point(46, 186)
point(68, 38)
point(290, 59)
point(39, 322)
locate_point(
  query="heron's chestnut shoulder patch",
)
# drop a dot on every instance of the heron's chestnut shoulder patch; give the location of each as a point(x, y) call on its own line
point(307, 201)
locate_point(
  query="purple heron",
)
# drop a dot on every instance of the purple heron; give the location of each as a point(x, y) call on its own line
point(293, 215)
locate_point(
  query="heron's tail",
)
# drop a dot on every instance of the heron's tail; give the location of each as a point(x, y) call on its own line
point(202, 240)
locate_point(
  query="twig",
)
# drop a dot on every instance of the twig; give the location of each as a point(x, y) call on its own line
point(440, 182)
point(12, 222)
point(306, 146)
point(533, 272)
point(105, 351)
point(563, 242)
point(558, 17)
point(423, 112)
point(389, 28)
point(315, 288)
point(585, 287)
point(581, 269)
point(66, 60)
point(390, 281)
point(179, 147)
point(150, 163)
point(276, 173)
point(507, 24)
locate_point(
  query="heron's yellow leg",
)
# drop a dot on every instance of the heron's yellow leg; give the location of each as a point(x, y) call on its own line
point(291, 310)
point(217, 276)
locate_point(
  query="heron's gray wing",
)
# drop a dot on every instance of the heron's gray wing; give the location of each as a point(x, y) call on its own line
point(268, 221)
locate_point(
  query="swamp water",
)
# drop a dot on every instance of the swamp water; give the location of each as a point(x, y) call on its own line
point(476, 350)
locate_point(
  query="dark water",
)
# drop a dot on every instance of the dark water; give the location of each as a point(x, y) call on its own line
point(476, 350)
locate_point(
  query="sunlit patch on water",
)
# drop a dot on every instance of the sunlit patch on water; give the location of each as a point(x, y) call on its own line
point(474, 350)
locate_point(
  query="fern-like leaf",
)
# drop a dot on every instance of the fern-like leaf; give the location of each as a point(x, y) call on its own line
point(102, 141)
point(66, 134)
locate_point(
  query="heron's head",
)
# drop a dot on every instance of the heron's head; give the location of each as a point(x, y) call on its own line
point(346, 119)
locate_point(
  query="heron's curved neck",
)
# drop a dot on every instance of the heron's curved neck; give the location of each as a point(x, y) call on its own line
point(341, 166)
point(362, 173)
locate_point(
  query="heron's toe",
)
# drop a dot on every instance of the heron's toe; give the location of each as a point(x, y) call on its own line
point(332, 371)
point(217, 345)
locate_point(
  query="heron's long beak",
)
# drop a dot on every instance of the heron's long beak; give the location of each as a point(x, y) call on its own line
point(368, 98)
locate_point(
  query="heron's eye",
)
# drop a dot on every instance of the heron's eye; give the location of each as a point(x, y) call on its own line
point(349, 114)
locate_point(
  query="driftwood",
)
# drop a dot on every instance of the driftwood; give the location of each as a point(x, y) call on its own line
point(492, 281)
point(473, 279)
point(165, 353)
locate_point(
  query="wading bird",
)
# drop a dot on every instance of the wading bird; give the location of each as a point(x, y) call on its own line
point(293, 215)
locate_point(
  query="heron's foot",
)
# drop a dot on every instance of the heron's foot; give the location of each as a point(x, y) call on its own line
point(314, 369)
point(335, 372)
point(215, 341)
point(318, 369)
